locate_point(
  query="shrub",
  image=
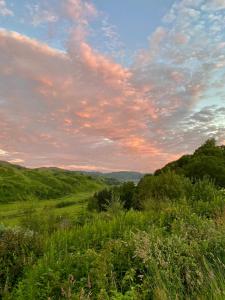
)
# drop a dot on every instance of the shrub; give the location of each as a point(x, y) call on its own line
point(101, 200)
point(166, 186)
point(204, 190)
point(104, 198)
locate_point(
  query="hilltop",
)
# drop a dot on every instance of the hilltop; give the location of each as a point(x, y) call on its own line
point(20, 183)
point(207, 161)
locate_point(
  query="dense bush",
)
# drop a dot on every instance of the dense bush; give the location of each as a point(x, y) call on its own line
point(124, 194)
point(166, 186)
point(101, 200)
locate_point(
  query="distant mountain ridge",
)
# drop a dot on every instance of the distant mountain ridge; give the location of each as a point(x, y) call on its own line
point(120, 176)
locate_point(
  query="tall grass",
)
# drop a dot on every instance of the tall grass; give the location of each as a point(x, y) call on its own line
point(170, 254)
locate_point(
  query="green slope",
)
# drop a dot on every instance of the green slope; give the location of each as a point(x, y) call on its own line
point(206, 161)
point(19, 183)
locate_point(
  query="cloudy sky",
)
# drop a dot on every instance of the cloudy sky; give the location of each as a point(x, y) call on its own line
point(110, 85)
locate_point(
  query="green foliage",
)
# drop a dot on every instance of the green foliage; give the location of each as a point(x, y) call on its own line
point(65, 204)
point(166, 186)
point(204, 190)
point(138, 255)
point(43, 222)
point(207, 161)
point(123, 193)
point(101, 200)
point(18, 249)
point(127, 193)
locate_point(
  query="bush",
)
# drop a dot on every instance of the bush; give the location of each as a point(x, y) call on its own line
point(166, 186)
point(206, 199)
point(123, 193)
point(204, 190)
point(101, 200)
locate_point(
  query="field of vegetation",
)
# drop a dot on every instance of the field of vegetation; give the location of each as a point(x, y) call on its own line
point(71, 205)
point(163, 238)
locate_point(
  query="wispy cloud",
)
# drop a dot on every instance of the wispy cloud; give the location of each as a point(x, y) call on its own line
point(184, 61)
point(41, 15)
point(4, 9)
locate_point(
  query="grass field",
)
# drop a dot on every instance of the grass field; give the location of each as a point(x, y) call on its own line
point(11, 213)
point(163, 239)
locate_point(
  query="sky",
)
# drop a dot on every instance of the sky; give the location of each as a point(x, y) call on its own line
point(110, 85)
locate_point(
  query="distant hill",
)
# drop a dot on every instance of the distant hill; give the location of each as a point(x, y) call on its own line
point(19, 183)
point(118, 177)
point(208, 160)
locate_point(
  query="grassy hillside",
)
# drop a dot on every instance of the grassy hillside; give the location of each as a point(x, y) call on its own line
point(18, 183)
point(162, 239)
point(208, 160)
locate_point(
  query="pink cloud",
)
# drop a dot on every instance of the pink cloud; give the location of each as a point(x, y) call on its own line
point(79, 10)
point(81, 110)
point(112, 73)
point(63, 103)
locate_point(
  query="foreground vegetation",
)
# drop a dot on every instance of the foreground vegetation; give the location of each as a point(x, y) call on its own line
point(167, 251)
point(161, 239)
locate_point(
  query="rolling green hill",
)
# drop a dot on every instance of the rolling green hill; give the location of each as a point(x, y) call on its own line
point(18, 183)
point(207, 161)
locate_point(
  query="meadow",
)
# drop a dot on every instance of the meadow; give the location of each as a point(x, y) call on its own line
point(72, 205)
point(163, 238)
